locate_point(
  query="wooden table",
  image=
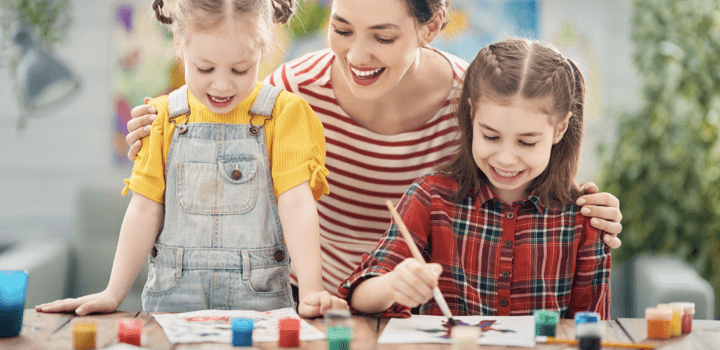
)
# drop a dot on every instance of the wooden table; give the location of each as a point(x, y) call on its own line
point(54, 331)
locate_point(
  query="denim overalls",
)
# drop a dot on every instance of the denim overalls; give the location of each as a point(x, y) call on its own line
point(221, 245)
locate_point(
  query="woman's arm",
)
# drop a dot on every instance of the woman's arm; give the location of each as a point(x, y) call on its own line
point(301, 227)
point(604, 209)
point(139, 230)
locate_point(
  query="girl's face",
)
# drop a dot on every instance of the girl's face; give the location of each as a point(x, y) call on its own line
point(375, 43)
point(512, 143)
point(221, 64)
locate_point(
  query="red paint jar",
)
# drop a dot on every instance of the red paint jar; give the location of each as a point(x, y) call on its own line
point(687, 319)
point(130, 331)
point(289, 328)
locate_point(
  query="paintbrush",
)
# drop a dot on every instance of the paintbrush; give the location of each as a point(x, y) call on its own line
point(416, 254)
point(604, 344)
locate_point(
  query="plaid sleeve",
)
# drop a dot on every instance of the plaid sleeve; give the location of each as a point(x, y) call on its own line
point(591, 285)
point(392, 249)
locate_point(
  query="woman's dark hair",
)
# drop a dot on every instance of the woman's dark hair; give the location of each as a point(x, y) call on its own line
point(425, 10)
point(533, 70)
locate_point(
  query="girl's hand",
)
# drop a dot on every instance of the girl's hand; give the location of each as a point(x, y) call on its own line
point(139, 126)
point(314, 304)
point(411, 283)
point(604, 208)
point(101, 302)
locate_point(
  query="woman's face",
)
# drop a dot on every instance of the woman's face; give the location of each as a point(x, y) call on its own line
point(375, 42)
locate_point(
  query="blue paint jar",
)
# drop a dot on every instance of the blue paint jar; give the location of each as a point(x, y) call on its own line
point(242, 329)
point(13, 287)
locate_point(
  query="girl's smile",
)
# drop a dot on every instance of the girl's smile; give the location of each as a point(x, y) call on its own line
point(506, 176)
point(220, 102)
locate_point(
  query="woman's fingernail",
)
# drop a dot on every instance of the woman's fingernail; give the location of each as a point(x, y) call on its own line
point(581, 201)
point(152, 110)
point(607, 239)
point(585, 211)
point(595, 222)
point(153, 117)
point(147, 128)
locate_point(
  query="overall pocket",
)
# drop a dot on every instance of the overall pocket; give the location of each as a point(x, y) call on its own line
point(161, 278)
point(226, 188)
point(268, 281)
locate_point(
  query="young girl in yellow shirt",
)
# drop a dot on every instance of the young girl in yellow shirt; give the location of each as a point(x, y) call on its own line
point(223, 196)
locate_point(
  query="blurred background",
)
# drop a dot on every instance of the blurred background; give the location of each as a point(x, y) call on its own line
point(71, 70)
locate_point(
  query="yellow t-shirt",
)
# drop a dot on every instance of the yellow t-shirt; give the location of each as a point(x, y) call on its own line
point(294, 136)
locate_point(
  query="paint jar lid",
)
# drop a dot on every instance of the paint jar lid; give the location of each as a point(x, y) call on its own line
point(289, 324)
point(337, 313)
point(339, 333)
point(672, 306)
point(658, 313)
point(688, 308)
point(546, 316)
point(465, 335)
point(587, 317)
point(85, 327)
point(242, 324)
point(129, 326)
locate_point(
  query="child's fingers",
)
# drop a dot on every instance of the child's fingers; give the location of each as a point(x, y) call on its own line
point(60, 306)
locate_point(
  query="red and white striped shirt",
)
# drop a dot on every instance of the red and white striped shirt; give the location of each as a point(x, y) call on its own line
point(366, 168)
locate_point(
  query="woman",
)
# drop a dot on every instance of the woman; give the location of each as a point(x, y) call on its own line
point(387, 102)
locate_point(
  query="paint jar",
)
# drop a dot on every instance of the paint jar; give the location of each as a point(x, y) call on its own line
point(687, 318)
point(586, 322)
point(465, 337)
point(84, 335)
point(130, 331)
point(676, 320)
point(13, 285)
point(337, 318)
point(242, 331)
point(546, 322)
point(289, 328)
point(658, 322)
point(339, 338)
point(588, 330)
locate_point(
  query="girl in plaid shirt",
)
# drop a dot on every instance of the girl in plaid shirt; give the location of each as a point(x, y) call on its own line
point(498, 225)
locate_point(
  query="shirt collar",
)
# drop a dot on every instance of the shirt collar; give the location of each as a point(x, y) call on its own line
point(485, 194)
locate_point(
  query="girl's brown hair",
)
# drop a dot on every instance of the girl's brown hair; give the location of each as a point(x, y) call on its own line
point(425, 10)
point(533, 70)
point(207, 14)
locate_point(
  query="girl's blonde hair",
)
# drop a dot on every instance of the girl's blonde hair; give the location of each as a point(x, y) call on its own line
point(208, 14)
point(521, 68)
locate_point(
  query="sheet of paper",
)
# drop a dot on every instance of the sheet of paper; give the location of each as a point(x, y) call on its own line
point(214, 326)
point(496, 330)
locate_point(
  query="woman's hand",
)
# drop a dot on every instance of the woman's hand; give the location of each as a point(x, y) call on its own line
point(604, 208)
point(314, 304)
point(139, 126)
point(411, 283)
point(101, 302)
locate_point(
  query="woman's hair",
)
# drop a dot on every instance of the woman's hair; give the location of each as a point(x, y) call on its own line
point(425, 10)
point(522, 69)
point(207, 14)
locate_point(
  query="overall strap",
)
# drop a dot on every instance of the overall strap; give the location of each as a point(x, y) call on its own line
point(263, 106)
point(178, 106)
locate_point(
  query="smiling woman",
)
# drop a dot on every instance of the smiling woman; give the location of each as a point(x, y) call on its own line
point(387, 102)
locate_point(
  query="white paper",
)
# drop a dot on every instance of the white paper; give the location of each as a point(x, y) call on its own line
point(506, 330)
point(214, 326)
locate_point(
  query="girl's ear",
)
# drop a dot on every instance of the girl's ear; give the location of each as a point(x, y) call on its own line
point(431, 29)
point(176, 43)
point(561, 128)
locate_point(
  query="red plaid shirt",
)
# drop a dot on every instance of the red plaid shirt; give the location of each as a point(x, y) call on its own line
point(497, 259)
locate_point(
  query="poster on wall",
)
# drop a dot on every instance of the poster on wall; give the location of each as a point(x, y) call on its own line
point(143, 64)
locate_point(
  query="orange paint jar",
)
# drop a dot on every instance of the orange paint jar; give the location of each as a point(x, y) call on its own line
point(658, 322)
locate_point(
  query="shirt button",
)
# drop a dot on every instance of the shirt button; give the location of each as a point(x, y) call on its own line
point(508, 244)
point(279, 255)
point(510, 215)
point(506, 274)
point(503, 302)
point(236, 174)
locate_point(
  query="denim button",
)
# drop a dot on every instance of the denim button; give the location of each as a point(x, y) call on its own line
point(279, 255)
point(236, 174)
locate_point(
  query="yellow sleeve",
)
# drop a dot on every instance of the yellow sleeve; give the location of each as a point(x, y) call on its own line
point(298, 149)
point(148, 174)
